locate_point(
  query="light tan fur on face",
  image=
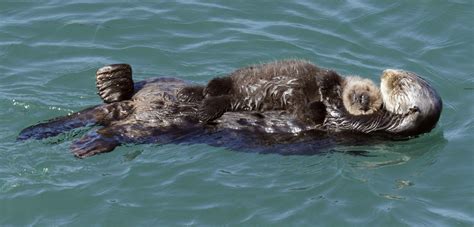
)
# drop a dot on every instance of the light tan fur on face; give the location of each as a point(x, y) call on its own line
point(394, 87)
point(355, 87)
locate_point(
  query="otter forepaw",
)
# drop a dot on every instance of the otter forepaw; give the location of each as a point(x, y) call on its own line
point(315, 112)
point(213, 108)
point(318, 111)
point(218, 86)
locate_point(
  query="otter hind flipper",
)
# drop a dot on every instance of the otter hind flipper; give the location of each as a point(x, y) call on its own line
point(106, 139)
point(93, 143)
point(56, 126)
point(102, 115)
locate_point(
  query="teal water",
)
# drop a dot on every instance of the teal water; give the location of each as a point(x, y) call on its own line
point(49, 52)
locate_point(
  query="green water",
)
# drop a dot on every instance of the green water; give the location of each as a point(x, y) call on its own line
point(49, 52)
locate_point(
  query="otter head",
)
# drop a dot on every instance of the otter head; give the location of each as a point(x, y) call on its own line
point(360, 96)
point(405, 93)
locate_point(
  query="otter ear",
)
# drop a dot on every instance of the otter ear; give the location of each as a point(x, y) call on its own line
point(354, 97)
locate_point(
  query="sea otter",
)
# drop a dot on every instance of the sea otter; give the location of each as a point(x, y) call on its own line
point(360, 96)
point(157, 114)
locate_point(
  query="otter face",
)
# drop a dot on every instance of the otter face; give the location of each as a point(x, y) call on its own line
point(360, 96)
point(406, 93)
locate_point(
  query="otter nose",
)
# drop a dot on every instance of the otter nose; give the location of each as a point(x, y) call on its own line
point(364, 102)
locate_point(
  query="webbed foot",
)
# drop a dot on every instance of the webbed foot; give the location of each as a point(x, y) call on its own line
point(97, 115)
point(93, 143)
point(58, 125)
point(114, 82)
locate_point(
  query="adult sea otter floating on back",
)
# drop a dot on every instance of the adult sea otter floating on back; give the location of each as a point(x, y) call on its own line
point(158, 111)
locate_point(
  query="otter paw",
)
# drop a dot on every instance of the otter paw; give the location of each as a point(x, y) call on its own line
point(218, 86)
point(115, 83)
point(213, 108)
point(413, 110)
point(315, 112)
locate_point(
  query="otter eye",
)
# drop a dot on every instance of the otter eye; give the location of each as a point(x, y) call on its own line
point(355, 97)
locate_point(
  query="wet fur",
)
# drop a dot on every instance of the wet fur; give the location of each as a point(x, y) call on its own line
point(404, 92)
point(157, 114)
point(114, 82)
point(292, 85)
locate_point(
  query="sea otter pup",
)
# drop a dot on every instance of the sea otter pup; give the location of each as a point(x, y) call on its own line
point(360, 96)
point(296, 86)
point(293, 85)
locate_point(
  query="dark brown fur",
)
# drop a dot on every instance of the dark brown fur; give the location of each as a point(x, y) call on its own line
point(114, 82)
point(292, 85)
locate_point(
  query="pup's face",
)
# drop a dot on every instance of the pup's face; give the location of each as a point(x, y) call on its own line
point(361, 96)
point(364, 102)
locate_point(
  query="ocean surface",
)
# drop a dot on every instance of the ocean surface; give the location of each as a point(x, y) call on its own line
point(50, 50)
